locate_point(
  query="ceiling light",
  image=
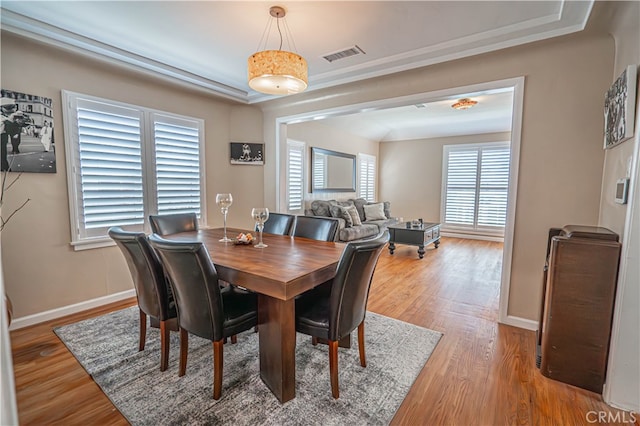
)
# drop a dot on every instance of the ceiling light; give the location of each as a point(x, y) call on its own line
point(277, 72)
point(465, 103)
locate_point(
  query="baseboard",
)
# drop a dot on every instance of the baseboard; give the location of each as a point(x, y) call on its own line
point(519, 322)
point(22, 322)
point(473, 236)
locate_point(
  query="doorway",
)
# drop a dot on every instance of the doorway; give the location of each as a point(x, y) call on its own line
point(516, 85)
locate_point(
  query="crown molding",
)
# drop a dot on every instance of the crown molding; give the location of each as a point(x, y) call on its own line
point(54, 36)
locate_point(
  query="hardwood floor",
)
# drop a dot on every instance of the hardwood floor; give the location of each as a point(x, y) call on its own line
point(481, 372)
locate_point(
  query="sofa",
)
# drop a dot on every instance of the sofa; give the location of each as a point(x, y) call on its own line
point(359, 219)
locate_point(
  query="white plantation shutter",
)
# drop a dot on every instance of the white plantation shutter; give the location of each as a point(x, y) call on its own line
point(367, 181)
point(177, 148)
point(126, 162)
point(295, 175)
point(319, 170)
point(110, 167)
point(475, 187)
point(494, 186)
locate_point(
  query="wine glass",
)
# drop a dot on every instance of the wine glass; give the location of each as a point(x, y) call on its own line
point(260, 215)
point(224, 201)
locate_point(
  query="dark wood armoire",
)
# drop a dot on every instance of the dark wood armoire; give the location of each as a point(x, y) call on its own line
point(579, 288)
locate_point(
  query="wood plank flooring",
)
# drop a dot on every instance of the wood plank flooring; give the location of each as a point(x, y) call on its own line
point(481, 372)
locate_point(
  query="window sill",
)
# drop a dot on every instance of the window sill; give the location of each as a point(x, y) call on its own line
point(92, 243)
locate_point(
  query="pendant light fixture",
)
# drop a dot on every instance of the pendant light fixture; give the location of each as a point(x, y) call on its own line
point(277, 72)
point(465, 103)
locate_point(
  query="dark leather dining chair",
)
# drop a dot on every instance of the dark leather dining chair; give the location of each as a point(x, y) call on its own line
point(203, 308)
point(334, 314)
point(279, 223)
point(154, 295)
point(316, 228)
point(173, 223)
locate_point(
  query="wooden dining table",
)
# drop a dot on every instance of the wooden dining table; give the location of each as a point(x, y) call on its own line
point(278, 273)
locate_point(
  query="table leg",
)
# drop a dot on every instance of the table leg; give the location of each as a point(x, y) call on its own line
point(277, 336)
point(437, 243)
point(392, 247)
point(421, 251)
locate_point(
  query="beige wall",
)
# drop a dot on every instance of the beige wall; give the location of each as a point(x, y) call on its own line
point(410, 174)
point(626, 31)
point(623, 375)
point(41, 270)
point(316, 134)
point(561, 147)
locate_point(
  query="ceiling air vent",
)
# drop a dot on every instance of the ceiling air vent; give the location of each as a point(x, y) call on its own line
point(355, 50)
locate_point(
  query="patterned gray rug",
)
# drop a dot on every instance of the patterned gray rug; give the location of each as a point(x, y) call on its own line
point(107, 347)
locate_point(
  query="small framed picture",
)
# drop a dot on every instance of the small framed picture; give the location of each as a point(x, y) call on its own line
point(247, 153)
point(619, 108)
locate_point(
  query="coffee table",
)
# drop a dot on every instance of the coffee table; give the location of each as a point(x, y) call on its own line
point(420, 236)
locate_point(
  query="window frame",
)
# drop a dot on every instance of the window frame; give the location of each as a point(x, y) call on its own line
point(80, 238)
point(475, 229)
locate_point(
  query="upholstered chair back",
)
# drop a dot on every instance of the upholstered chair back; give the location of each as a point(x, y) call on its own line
point(316, 228)
point(173, 223)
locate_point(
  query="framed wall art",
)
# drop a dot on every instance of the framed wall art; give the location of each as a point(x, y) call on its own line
point(620, 108)
point(247, 153)
point(26, 133)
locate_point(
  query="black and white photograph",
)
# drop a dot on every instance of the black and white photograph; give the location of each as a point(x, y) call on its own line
point(27, 140)
point(619, 108)
point(247, 153)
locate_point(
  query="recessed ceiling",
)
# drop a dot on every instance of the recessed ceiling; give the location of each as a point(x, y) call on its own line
point(492, 114)
point(207, 43)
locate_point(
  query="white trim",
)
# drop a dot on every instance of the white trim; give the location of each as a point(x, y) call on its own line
point(8, 405)
point(22, 322)
point(619, 355)
point(507, 250)
point(516, 84)
point(472, 236)
point(520, 322)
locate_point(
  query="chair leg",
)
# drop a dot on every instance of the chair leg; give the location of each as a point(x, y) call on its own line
point(217, 368)
point(184, 348)
point(234, 339)
point(143, 330)
point(333, 367)
point(164, 345)
point(314, 341)
point(363, 359)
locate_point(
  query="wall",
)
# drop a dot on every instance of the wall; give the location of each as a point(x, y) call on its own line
point(623, 375)
point(410, 173)
point(41, 270)
point(316, 134)
point(561, 147)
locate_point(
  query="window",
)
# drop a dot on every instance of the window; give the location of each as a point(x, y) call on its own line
point(475, 187)
point(367, 180)
point(126, 162)
point(295, 175)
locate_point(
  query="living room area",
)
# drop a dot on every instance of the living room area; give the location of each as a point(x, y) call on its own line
point(480, 288)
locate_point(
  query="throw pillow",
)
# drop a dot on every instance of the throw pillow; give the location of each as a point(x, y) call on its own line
point(341, 212)
point(321, 207)
point(374, 211)
point(355, 217)
point(359, 203)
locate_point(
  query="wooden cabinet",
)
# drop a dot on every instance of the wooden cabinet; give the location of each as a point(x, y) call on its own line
point(578, 301)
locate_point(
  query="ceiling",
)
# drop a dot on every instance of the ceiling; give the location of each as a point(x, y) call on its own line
point(205, 44)
point(492, 114)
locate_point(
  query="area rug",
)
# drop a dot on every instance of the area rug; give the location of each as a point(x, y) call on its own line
point(107, 347)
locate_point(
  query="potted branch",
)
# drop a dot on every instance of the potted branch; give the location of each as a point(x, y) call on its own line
point(5, 185)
